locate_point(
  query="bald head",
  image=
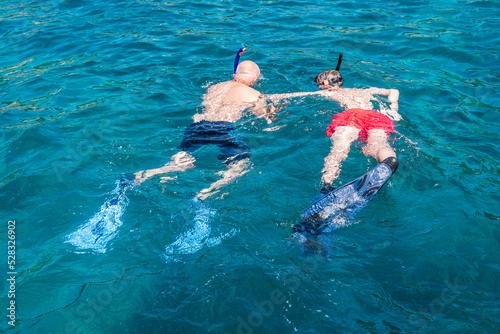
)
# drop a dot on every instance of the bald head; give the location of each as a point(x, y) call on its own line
point(247, 72)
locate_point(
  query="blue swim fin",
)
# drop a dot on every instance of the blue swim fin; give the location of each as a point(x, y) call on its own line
point(124, 183)
point(103, 226)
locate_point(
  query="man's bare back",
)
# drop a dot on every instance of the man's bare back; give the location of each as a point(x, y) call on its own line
point(350, 98)
point(226, 101)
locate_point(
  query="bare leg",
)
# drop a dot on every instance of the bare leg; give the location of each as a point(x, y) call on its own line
point(179, 162)
point(377, 146)
point(235, 170)
point(341, 140)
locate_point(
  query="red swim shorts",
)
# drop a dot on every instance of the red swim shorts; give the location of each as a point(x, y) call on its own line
point(362, 119)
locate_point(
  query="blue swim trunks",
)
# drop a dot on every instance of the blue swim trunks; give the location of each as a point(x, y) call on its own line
point(222, 134)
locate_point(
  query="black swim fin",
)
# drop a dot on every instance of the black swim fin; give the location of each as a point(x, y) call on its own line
point(352, 197)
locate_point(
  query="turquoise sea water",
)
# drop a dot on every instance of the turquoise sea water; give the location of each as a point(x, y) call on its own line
point(92, 90)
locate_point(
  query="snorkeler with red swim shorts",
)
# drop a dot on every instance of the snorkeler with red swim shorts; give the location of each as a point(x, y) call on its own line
point(359, 122)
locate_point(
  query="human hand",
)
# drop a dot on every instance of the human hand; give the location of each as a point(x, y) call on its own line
point(140, 177)
point(274, 110)
point(165, 179)
point(393, 96)
point(397, 117)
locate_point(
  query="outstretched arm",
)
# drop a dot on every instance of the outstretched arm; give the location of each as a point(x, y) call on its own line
point(278, 97)
point(392, 94)
point(393, 97)
point(262, 109)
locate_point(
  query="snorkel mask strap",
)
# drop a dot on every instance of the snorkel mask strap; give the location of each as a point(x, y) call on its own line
point(237, 58)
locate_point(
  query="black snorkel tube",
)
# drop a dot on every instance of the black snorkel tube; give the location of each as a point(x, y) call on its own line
point(339, 62)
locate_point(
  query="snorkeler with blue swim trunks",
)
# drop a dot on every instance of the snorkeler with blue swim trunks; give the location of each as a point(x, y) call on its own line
point(224, 104)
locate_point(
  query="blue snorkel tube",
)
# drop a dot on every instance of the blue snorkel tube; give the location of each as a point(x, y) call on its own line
point(237, 58)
